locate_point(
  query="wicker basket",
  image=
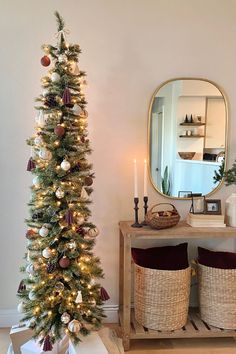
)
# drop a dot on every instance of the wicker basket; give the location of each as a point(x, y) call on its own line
point(162, 219)
point(161, 297)
point(217, 296)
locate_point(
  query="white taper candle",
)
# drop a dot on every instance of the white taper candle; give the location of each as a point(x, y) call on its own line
point(135, 179)
point(145, 179)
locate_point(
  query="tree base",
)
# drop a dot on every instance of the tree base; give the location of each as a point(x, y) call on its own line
point(102, 342)
point(90, 344)
point(19, 336)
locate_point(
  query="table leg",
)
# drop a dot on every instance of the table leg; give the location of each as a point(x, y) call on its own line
point(126, 291)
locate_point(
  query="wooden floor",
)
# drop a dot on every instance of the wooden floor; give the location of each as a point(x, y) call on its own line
point(161, 346)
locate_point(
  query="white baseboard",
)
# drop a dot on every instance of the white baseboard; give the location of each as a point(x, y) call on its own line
point(9, 317)
point(111, 311)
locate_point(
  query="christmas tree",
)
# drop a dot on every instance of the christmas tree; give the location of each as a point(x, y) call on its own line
point(60, 293)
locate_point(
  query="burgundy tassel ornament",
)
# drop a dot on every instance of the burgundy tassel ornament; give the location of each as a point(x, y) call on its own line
point(47, 345)
point(21, 287)
point(31, 165)
point(66, 98)
point(104, 295)
point(69, 217)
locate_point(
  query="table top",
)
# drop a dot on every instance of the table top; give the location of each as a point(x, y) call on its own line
point(181, 230)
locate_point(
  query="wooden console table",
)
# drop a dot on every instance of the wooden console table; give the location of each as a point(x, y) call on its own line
point(131, 329)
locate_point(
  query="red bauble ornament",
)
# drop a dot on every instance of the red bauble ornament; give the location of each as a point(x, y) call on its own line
point(59, 130)
point(45, 60)
point(30, 234)
point(88, 181)
point(64, 262)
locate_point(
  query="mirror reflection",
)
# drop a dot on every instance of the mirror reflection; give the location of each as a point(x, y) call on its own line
point(187, 137)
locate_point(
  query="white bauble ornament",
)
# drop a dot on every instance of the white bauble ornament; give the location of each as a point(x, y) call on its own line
point(62, 58)
point(77, 109)
point(38, 140)
point(60, 193)
point(32, 295)
point(45, 154)
point(80, 220)
point(47, 252)
point(59, 286)
point(71, 245)
point(84, 195)
point(79, 298)
point(55, 77)
point(92, 281)
point(65, 165)
point(30, 269)
point(45, 92)
point(40, 119)
point(43, 231)
point(36, 182)
point(74, 326)
point(65, 318)
point(21, 307)
point(76, 70)
point(93, 302)
point(33, 153)
point(94, 232)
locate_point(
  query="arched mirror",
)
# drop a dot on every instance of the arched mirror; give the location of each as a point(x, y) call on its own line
point(187, 137)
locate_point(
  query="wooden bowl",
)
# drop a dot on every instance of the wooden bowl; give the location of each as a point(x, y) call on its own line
point(186, 155)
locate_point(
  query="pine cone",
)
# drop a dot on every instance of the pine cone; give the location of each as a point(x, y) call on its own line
point(51, 101)
point(51, 267)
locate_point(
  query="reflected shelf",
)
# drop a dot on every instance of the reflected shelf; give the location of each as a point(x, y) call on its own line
point(193, 124)
point(191, 136)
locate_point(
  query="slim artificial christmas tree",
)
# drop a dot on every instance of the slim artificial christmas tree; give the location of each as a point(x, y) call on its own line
point(60, 294)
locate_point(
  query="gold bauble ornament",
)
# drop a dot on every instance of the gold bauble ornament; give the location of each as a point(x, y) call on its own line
point(94, 232)
point(60, 193)
point(47, 252)
point(65, 165)
point(65, 318)
point(80, 220)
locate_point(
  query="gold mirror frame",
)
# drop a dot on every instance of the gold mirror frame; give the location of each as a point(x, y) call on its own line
point(149, 128)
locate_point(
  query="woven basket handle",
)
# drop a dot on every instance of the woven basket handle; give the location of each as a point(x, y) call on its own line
point(154, 206)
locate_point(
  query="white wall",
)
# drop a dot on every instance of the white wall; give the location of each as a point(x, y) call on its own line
point(129, 48)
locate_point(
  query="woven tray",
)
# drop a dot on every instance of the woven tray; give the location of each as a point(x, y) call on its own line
point(217, 296)
point(161, 297)
point(162, 219)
